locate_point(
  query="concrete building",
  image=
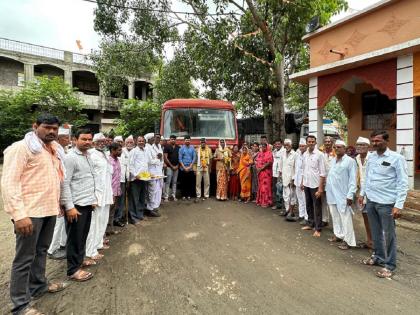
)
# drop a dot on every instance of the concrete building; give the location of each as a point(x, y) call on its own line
point(22, 62)
point(371, 62)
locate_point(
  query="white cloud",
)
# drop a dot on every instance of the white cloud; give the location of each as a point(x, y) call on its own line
point(59, 23)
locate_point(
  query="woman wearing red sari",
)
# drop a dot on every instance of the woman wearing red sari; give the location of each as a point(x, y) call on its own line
point(245, 175)
point(263, 163)
point(234, 185)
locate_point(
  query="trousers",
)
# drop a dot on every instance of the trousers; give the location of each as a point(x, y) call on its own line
point(313, 208)
point(198, 179)
point(171, 182)
point(382, 226)
point(77, 233)
point(137, 201)
point(28, 269)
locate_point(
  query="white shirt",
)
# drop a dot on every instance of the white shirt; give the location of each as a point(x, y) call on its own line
point(361, 169)
point(298, 168)
point(124, 159)
point(328, 159)
point(138, 162)
point(103, 170)
point(154, 163)
point(288, 166)
point(313, 168)
point(276, 161)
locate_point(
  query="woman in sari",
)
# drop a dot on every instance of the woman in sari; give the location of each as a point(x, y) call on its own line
point(254, 184)
point(245, 175)
point(263, 164)
point(222, 157)
point(234, 185)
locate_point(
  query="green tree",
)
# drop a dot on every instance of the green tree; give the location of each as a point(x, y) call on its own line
point(174, 81)
point(138, 117)
point(47, 95)
point(242, 51)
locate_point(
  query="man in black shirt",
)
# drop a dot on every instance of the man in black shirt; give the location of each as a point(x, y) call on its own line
point(171, 157)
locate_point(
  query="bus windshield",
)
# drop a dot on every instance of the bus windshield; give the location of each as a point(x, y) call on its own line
point(199, 123)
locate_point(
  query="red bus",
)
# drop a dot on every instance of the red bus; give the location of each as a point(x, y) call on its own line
point(199, 118)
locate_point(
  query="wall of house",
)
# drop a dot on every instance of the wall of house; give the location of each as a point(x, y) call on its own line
point(9, 70)
point(352, 107)
point(391, 25)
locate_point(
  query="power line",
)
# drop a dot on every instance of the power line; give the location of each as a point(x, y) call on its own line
point(158, 10)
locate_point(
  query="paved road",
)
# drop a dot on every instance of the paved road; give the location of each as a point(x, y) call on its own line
point(230, 258)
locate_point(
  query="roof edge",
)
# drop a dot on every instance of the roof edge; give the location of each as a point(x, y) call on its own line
point(372, 8)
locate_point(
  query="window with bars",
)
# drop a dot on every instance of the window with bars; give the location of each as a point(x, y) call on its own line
point(379, 112)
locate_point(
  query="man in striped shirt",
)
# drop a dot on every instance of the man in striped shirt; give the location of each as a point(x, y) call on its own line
point(32, 172)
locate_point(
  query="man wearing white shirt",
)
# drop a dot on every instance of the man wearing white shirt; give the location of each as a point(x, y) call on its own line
point(340, 190)
point(313, 181)
point(276, 181)
point(155, 162)
point(300, 194)
point(138, 163)
point(103, 184)
point(287, 165)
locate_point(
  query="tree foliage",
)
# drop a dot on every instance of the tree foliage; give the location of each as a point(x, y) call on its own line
point(138, 117)
point(174, 81)
point(47, 95)
point(242, 51)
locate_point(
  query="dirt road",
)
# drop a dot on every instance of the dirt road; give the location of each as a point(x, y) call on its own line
point(228, 258)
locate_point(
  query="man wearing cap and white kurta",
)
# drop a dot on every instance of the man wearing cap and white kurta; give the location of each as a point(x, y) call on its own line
point(287, 169)
point(103, 183)
point(154, 154)
point(58, 242)
point(362, 148)
point(341, 189)
point(300, 194)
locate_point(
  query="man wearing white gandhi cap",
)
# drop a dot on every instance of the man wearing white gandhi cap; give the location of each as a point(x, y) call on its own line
point(103, 178)
point(58, 242)
point(341, 190)
point(362, 150)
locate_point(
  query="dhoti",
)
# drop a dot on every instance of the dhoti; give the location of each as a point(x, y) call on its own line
point(343, 224)
point(154, 194)
point(289, 196)
point(100, 217)
point(300, 194)
point(59, 236)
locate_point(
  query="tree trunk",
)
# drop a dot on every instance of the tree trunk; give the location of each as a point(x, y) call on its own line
point(268, 118)
point(278, 105)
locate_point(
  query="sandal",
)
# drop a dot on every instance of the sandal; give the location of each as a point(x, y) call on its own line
point(81, 276)
point(316, 234)
point(104, 246)
point(369, 262)
point(106, 241)
point(385, 273)
point(344, 246)
point(89, 262)
point(57, 287)
point(307, 228)
point(334, 239)
point(97, 257)
point(31, 311)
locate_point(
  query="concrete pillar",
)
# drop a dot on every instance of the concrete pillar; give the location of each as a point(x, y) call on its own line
point(315, 113)
point(68, 56)
point(144, 92)
point(131, 90)
point(405, 113)
point(68, 77)
point(28, 70)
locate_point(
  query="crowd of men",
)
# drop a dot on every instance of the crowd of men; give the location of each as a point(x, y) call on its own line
point(66, 197)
